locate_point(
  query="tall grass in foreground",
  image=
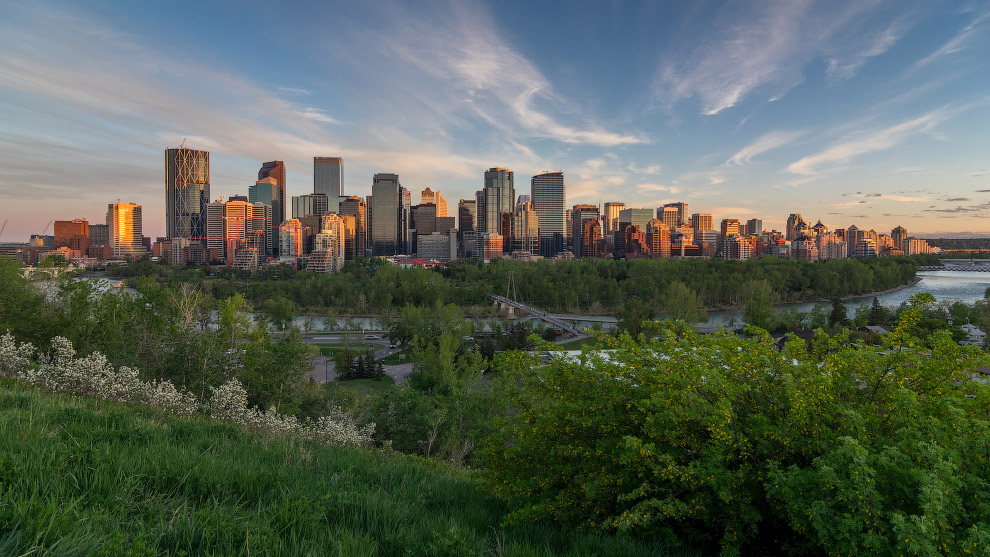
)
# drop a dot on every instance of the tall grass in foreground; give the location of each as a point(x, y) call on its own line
point(82, 476)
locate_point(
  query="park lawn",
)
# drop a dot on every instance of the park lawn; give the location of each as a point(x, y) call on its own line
point(366, 386)
point(83, 476)
point(397, 358)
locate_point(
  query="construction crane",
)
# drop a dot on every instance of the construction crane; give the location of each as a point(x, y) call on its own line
point(183, 144)
point(47, 227)
point(4, 227)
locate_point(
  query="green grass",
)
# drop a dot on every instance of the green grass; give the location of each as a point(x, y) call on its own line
point(81, 476)
point(365, 387)
point(397, 358)
point(356, 348)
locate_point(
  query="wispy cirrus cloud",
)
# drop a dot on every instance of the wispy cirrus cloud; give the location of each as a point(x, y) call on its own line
point(858, 144)
point(956, 43)
point(766, 142)
point(754, 46)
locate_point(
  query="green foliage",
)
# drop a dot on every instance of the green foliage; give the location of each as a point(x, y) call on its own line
point(681, 303)
point(758, 297)
point(86, 477)
point(587, 285)
point(698, 439)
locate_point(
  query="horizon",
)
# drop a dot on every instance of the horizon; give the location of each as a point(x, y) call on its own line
point(866, 113)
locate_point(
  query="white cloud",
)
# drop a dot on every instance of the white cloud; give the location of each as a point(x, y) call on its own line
point(766, 45)
point(862, 143)
point(762, 144)
point(293, 90)
point(955, 44)
point(648, 169)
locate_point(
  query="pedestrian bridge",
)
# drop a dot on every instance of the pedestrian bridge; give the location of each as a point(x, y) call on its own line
point(505, 303)
point(977, 268)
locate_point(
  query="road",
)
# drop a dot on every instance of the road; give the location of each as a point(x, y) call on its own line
point(323, 365)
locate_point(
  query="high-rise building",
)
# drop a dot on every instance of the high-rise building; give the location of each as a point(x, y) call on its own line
point(187, 191)
point(754, 226)
point(259, 229)
point(65, 230)
point(216, 228)
point(730, 227)
point(549, 200)
point(436, 198)
point(276, 169)
point(658, 238)
point(669, 215)
point(312, 204)
point(385, 209)
point(580, 214)
point(328, 179)
point(702, 221)
point(610, 218)
point(124, 225)
point(496, 200)
point(356, 207)
point(525, 228)
point(466, 210)
point(266, 191)
point(683, 216)
point(292, 241)
point(791, 232)
point(899, 235)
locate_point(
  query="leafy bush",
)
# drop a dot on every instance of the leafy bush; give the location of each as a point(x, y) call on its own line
point(829, 448)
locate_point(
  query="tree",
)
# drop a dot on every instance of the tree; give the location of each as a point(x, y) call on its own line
point(758, 298)
point(680, 302)
point(876, 312)
point(707, 439)
point(281, 312)
point(839, 315)
point(634, 314)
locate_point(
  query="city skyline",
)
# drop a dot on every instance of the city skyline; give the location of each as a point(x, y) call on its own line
point(867, 113)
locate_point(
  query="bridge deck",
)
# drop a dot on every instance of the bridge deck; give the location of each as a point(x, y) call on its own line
point(562, 325)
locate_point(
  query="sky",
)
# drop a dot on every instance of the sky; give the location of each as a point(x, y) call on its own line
point(866, 112)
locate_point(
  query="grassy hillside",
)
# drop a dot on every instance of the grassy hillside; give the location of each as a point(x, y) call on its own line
point(81, 476)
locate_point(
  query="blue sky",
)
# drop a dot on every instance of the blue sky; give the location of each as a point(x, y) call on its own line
point(874, 113)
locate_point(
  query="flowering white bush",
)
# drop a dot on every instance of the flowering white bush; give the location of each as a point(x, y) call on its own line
point(94, 375)
point(228, 402)
point(14, 358)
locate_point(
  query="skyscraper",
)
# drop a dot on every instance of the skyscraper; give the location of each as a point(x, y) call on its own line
point(385, 207)
point(497, 199)
point(549, 200)
point(66, 230)
point(580, 214)
point(124, 225)
point(525, 228)
point(702, 221)
point(276, 169)
point(611, 217)
point(355, 206)
point(669, 216)
point(328, 179)
point(187, 191)
point(266, 190)
point(682, 212)
point(792, 223)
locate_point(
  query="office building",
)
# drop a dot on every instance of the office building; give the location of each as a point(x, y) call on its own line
point(791, 232)
point(670, 216)
point(610, 218)
point(276, 170)
point(702, 221)
point(266, 191)
point(66, 230)
point(436, 198)
point(124, 225)
point(328, 179)
point(311, 204)
point(525, 228)
point(216, 229)
point(438, 246)
point(385, 208)
point(187, 191)
point(579, 215)
point(755, 226)
point(549, 201)
point(356, 207)
point(683, 216)
point(658, 238)
point(491, 245)
point(291, 240)
point(496, 201)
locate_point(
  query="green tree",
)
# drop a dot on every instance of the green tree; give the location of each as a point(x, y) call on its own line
point(680, 302)
point(758, 299)
point(876, 313)
point(838, 317)
point(634, 314)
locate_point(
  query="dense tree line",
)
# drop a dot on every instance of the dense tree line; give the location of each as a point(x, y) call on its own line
point(372, 287)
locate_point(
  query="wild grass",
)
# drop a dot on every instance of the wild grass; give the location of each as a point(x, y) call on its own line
point(365, 386)
point(83, 476)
